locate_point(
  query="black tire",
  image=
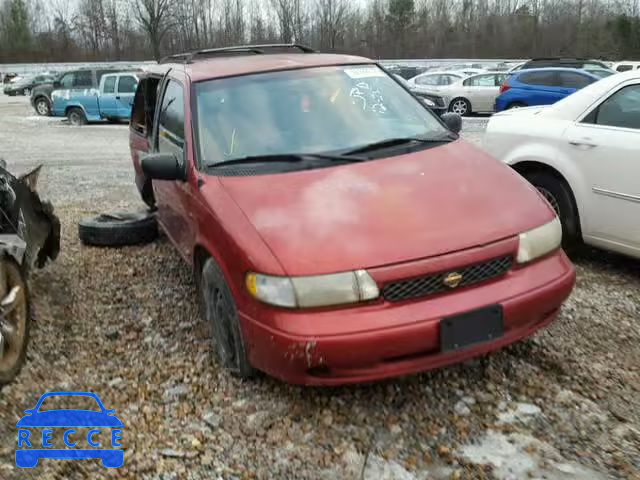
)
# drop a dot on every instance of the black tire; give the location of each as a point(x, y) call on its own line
point(560, 197)
point(118, 229)
point(220, 314)
point(18, 353)
point(42, 107)
point(516, 105)
point(461, 106)
point(76, 117)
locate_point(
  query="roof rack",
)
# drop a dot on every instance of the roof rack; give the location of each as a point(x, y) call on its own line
point(189, 57)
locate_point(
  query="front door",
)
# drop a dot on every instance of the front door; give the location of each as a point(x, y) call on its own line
point(108, 107)
point(605, 147)
point(172, 197)
point(127, 85)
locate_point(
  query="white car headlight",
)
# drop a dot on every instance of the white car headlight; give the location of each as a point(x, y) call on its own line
point(539, 241)
point(428, 102)
point(313, 291)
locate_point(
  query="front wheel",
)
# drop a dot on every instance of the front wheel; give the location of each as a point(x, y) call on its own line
point(560, 197)
point(76, 117)
point(219, 311)
point(461, 106)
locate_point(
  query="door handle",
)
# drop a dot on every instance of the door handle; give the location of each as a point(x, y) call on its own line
point(117, 97)
point(584, 142)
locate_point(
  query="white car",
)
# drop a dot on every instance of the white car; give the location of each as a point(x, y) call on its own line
point(583, 155)
point(436, 80)
point(625, 66)
point(476, 93)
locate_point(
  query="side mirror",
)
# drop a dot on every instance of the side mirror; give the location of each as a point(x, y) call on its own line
point(162, 166)
point(453, 121)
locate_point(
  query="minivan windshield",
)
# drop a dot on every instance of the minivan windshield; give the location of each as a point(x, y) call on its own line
point(306, 111)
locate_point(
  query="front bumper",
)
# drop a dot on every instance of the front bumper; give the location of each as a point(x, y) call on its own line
point(383, 339)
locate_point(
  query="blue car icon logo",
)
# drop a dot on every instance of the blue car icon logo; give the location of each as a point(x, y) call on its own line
point(29, 452)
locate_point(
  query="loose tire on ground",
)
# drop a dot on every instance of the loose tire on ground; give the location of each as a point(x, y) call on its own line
point(559, 195)
point(118, 229)
point(76, 117)
point(219, 311)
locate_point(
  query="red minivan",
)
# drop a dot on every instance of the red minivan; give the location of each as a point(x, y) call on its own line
point(338, 230)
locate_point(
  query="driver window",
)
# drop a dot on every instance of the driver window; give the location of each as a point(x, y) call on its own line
point(171, 121)
point(622, 109)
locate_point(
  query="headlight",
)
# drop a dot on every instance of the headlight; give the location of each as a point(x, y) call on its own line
point(313, 291)
point(428, 102)
point(539, 241)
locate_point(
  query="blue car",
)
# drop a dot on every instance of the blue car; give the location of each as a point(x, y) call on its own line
point(27, 455)
point(541, 86)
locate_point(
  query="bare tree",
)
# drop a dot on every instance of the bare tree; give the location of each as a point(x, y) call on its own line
point(330, 15)
point(153, 17)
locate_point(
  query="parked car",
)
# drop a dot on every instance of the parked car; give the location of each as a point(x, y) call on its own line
point(582, 154)
point(405, 72)
point(73, 82)
point(563, 62)
point(542, 86)
point(25, 85)
point(8, 77)
point(112, 101)
point(434, 80)
point(466, 95)
point(434, 102)
point(625, 66)
point(339, 232)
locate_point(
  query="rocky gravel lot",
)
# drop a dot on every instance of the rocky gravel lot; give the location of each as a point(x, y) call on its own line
point(564, 404)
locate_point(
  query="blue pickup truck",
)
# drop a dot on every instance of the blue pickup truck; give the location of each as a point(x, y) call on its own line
point(112, 101)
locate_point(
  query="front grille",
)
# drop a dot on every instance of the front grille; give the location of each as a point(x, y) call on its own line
point(435, 283)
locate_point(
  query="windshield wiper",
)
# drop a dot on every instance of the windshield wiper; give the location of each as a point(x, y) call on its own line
point(287, 158)
point(395, 142)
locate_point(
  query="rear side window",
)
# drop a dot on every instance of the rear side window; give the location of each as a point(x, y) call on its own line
point(624, 68)
point(428, 80)
point(481, 81)
point(110, 84)
point(548, 79)
point(67, 80)
point(127, 84)
point(172, 113)
point(83, 79)
point(574, 80)
point(449, 79)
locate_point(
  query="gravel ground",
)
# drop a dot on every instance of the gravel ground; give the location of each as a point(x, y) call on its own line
point(564, 404)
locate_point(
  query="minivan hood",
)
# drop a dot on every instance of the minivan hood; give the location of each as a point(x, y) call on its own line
point(387, 211)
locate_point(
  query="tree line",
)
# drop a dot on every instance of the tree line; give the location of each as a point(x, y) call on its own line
point(108, 30)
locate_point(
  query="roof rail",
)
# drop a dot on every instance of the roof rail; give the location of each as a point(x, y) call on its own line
point(189, 57)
